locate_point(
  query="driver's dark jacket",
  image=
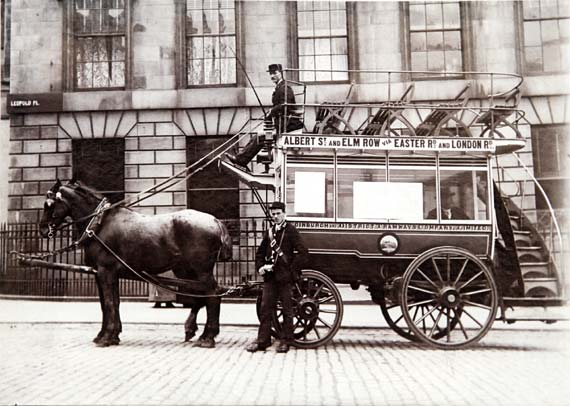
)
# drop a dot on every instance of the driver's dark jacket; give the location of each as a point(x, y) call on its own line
point(286, 268)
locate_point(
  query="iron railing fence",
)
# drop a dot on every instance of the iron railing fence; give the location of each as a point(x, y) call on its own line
point(25, 280)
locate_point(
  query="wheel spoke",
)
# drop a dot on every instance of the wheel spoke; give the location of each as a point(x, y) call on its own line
point(324, 322)
point(461, 271)
point(479, 305)
point(448, 268)
point(331, 311)
point(462, 328)
point(317, 291)
point(436, 269)
point(427, 278)
point(422, 290)
point(470, 280)
point(325, 299)
point(472, 318)
point(421, 303)
point(425, 315)
point(435, 324)
point(475, 292)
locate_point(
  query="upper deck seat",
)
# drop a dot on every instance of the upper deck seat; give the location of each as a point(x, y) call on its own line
point(388, 113)
point(330, 115)
point(498, 114)
point(432, 124)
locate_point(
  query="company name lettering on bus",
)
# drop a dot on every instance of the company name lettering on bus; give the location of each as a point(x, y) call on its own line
point(380, 143)
point(313, 225)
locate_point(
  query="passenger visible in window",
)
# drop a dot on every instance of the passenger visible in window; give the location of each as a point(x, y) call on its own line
point(281, 95)
point(449, 208)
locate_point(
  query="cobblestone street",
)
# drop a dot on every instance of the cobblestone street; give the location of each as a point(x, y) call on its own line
point(57, 364)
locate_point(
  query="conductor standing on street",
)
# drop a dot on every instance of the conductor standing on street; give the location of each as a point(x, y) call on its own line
point(279, 259)
point(283, 94)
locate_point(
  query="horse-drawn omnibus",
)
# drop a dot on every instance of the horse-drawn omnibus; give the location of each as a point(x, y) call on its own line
point(403, 197)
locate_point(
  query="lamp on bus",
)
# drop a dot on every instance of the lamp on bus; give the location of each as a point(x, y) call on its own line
point(388, 244)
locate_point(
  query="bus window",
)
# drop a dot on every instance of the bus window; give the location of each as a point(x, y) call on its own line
point(356, 196)
point(417, 191)
point(309, 191)
point(464, 195)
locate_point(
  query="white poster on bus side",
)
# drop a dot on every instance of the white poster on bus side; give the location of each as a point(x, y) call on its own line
point(310, 192)
point(388, 200)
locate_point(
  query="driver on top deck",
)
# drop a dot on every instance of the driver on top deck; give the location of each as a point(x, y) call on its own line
point(282, 94)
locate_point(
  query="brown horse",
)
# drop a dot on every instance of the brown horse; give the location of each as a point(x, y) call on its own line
point(188, 242)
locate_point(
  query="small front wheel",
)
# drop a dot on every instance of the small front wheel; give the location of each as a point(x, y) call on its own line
point(318, 310)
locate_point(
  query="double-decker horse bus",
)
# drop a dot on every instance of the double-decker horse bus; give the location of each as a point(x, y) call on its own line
point(404, 197)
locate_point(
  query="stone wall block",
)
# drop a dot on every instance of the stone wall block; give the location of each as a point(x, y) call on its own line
point(55, 159)
point(25, 133)
point(138, 185)
point(144, 129)
point(33, 202)
point(163, 157)
point(15, 175)
point(139, 157)
point(179, 199)
point(98, 120)
point(44, 146)
point(49, 132)
point(167, 209)
point(22, 161)
point(155, 171)
point(84, 122)
point(155, 116)
point(14, 203)
point(64, 173)
point(23, 188)
point(167, 129)
point(127, 123)
point(155, 143)
point(30, 174)
point(64, 145)
point(160, 199)
point(131, 144)
point(16, 147)
point(179, 142)
point(40, 119)
point(131, 171)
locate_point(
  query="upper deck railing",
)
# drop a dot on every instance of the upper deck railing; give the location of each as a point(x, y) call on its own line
point(423, 107)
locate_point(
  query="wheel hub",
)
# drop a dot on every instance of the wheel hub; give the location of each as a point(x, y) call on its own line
point(449, 297)
point(308, 309)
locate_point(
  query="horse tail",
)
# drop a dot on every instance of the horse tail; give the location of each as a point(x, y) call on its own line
point(225, 252)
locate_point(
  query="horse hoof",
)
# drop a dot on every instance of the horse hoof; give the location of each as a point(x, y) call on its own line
point(207, 343)
point(107, 342)
point(189, 336)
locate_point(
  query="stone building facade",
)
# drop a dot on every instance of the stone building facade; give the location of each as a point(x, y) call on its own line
point(158, 106)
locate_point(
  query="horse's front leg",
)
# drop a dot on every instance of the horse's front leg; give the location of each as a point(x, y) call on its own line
point(109, 288)
point(103, 312)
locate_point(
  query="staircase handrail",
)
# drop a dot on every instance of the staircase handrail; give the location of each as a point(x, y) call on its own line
point(552, 216)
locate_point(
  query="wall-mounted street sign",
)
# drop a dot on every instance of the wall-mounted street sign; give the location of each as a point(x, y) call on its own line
point(35, 103)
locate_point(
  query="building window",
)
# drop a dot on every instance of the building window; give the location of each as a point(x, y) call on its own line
point(436, 40)
point(99, 43)
point(551, 157)
point(322, 36)
point(100, 163)
point(546, 36)
point(210, 42)
point(208, 191)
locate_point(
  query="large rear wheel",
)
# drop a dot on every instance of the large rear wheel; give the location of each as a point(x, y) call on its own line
point(449, 298)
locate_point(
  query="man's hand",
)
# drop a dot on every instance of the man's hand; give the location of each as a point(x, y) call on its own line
point(265, 268)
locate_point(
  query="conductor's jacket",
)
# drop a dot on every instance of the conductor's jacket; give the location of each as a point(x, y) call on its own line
point(287, 267)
